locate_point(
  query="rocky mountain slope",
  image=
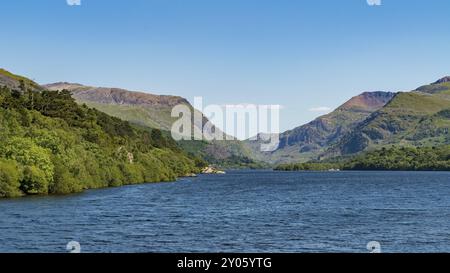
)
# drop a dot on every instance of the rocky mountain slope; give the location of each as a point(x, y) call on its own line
point(154, 111)
point(417, 118)
point(368, 121)
point(310, 140)
point(138, 107)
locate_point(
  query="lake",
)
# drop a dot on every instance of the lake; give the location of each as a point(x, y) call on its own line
point(242, 211)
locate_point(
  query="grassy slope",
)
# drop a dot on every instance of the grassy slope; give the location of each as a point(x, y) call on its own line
point(143, 115)
point(228, 154)
point(410, 119)
point(307, 142)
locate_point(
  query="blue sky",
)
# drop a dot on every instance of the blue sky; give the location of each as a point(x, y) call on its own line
point(301, 54)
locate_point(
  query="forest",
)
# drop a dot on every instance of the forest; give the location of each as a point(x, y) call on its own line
point(52, 145)
point(388, 158)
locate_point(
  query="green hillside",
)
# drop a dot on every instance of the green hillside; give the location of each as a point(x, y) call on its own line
point(154, 111)
point(418, 118)
point(152, 117)
point(229, 154)
point(52, 145)
point(307, 142)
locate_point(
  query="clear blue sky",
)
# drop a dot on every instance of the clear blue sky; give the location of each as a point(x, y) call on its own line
point(299, 54)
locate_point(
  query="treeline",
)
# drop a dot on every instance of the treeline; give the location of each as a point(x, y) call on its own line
point(52, 145)
point(309, 166)
point(390, 159)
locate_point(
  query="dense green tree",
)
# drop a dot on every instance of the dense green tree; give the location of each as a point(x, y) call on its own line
point(393, 159)
point(50, 144)
point(27, 153)
point(9, 179)
point(64, 181)
point(34, 181)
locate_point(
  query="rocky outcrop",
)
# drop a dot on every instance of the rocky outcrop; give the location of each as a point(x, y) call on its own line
point(212, 170)
point(443, 80)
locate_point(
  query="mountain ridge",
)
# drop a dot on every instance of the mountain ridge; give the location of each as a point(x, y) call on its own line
point(154, 111)
point(143, 108)
point(306, 142)
point(115, 95)
point(442, 80)
point(370, 120)
point(415, 118)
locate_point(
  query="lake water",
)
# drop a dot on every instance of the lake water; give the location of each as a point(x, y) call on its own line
point(242, 211)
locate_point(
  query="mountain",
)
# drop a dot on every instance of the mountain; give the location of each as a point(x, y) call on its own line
point(146, 109)
point(154, 111)
point(310, 140)
point(52, 145)
point(368, 121)
point(417, 118)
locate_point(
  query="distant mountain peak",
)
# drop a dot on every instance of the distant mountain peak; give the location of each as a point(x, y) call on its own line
point(369, 101)
point(307, 141)
point(117, 96)
point(443, 80)
point(62, 84)
point(438, 86)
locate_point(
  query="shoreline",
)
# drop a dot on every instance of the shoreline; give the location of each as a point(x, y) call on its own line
point(190, 175)
point(199, 174)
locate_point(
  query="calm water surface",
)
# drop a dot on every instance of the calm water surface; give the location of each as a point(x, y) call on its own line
point(242, 211)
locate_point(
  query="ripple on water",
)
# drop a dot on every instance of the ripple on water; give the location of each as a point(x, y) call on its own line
point(243, 211)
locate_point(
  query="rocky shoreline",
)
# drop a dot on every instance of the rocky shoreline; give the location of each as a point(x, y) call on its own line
point(207, 170)
point(212, 170)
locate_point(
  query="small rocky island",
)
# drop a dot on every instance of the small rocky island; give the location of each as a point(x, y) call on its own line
point(212, 170)
point(207, 170)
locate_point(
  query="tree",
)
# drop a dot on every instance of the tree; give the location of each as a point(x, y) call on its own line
point(9, 179)
point(34, 181)
point(158, 140)
point(64, 182)
point(27, 153)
